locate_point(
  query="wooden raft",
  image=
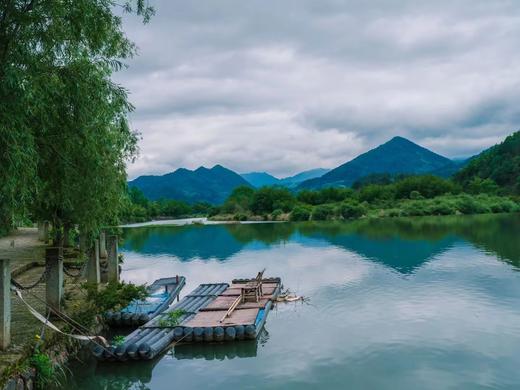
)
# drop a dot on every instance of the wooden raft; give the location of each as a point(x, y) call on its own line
point(245, 310)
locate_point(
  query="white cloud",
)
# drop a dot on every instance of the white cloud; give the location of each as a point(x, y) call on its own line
point(292, 86)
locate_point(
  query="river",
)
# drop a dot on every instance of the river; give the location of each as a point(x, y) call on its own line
point(424, 303)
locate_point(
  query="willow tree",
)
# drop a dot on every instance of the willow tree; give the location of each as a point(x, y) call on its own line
point(64, 135)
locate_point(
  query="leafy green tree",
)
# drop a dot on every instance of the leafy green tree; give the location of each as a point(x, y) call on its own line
point(268, 199)
point(500, 163)
point(301, 213)
point(64, 136)
point(239, 200)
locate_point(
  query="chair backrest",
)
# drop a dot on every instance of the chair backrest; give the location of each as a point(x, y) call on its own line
point(260, 276)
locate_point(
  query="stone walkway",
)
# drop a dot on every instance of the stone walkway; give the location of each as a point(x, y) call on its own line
point(24, 326)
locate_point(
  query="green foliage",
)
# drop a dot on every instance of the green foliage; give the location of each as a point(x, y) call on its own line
point(323, 212)
point(427, 185)
point(139, 209)
point(326, 195)
point(267, 199)
point(114, 295)
point(276, 214)
point(64, 134)
point(301, 213)
point(46, 373)
point(376, 192)
point(118, 340)
point(500, 164)
point(351, 209)
point(239, 201)
point(415, 195)
point(376, 178)
point(482, 186)
point(171, 318)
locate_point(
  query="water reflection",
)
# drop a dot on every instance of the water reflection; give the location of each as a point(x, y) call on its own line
point(138, 374)
point(426, 303)
point(403, 244)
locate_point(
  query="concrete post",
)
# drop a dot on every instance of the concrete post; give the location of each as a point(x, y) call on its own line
point(102, 245)
point(93, 272)
point(113, 261)
point(54, 284)
point(5, 304)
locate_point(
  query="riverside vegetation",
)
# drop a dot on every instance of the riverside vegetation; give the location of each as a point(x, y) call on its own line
point(490, 183)
point(379, 196)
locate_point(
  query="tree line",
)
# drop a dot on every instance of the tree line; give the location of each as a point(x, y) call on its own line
point(375, 196)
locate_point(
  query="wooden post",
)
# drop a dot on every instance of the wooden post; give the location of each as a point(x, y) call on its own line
point(113, 261)
point(5, 304)
point(54, 283)
point(93, 272)
point(102, 245)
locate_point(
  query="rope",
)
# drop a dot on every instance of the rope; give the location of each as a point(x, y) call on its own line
point(66, 319)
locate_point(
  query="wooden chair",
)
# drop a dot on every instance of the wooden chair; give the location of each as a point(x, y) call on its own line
point(252, 291)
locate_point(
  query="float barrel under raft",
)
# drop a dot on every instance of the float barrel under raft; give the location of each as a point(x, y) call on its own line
point(201, 317)
point(161, 294)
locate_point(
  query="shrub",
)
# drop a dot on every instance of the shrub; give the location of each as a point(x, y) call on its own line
point(267, 199)
point(323, 212)
point(114, 295)
point(414, 209)
point(416, 195)
point(46, 373)
point(441, 208)
point(300, 213)
point(351, 210)
point(240, 217)
point(428, 186)
point(276, 214)
point(374, 192)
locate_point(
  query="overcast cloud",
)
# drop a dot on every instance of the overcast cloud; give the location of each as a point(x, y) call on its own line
point(285, 86)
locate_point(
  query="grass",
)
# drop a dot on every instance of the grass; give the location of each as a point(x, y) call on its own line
point(172, 318)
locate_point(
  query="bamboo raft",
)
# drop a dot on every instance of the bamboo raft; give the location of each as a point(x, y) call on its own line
point(161, 294)
point(219, 312)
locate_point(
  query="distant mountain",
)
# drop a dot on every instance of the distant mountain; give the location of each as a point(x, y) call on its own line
point(398, 155)
point(293, 181)
point(201, 185)
point(260, 179)
point(500, 163)
point(450, 169)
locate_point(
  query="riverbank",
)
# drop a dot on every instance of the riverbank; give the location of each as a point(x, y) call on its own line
point(462, 204)
point(36, 355)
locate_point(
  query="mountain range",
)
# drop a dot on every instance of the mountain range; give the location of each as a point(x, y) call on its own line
point(260, 179)
point(200, 185)
point(398, 155)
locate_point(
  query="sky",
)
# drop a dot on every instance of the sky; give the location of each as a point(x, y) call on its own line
point(289, 85)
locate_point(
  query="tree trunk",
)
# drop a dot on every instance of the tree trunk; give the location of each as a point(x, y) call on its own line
point(66, 235)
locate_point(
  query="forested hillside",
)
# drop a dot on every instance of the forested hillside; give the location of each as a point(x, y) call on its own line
point(500, 163)
point(396, 156)
point(201, 185)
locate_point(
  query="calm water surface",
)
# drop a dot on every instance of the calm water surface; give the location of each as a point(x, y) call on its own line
point(428, 303)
